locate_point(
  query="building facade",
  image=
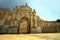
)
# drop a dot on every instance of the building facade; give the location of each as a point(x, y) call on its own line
point(23, 20)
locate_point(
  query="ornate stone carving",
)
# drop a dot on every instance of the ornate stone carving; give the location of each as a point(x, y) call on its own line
point(23, 18)
point(23, 27)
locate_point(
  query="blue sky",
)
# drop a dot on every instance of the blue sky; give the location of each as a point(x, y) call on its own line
point(46, 9)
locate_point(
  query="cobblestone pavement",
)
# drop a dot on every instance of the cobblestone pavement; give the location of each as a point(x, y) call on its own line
point(41, 36)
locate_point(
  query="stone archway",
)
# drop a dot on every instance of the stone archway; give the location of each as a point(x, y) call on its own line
point(24, 25)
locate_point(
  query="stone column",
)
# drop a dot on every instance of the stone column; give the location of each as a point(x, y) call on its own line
point(4, 19)
point(33, 29)
point(35, 18)
point(32, 21)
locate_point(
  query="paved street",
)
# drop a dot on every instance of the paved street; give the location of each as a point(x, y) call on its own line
point(43, 36)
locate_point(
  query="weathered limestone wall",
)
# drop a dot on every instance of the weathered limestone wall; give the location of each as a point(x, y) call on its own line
point(24, 20)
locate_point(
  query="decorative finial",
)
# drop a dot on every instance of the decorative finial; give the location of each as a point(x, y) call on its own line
point(26, 4)
point(30, 8)
point(34, 10)
point(16, 6)
point(20, 6)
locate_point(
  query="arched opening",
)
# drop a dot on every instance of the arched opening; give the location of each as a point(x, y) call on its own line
point(24, 25)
